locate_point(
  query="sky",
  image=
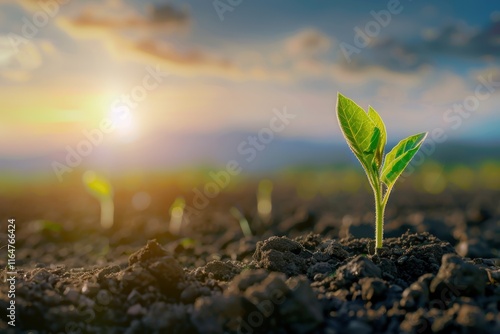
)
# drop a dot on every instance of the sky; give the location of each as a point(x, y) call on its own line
point(203, 68)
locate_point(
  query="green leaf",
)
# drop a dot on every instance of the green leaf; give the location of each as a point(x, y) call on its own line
point(379, 123)
point(358, 129)
point(187, 243)
point(399, 157)
point(47, 225)
point(371, 154)
point(374, 142)
point(97, 185)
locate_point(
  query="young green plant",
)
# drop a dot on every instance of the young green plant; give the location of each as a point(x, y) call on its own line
point(244, 225)
point(101, 189)
point(366, 136)
point(264, 200)
point(176, 216)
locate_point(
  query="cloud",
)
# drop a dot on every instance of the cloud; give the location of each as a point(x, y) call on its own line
point(447, 89)
point(167, 14)
point(15, 75)
point(127, 33)
point(459, 39)
point(118, 17)
point(391, 54)
point(306, 54)
point(456, 40)
point(352, 75)
point(17, 64)
point(131, 35)
point(195, 59)
point(488, 74)
point(308, 42)
point(34, 5)
point(114, 14)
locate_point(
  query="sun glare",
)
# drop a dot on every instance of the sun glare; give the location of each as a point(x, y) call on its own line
point(124, 123)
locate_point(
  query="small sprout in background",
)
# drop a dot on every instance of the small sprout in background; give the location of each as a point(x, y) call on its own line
point(366, 136)
point(187, 243)
point(245, 226)
point(176, 215)
point(264, 203)
point(49, 229)
point(101, 189)
point(47, 226)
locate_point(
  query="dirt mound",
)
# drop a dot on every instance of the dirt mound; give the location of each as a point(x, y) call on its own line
point(309, 284)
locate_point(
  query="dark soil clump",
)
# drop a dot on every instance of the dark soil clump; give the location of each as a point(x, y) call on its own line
point(416, 284)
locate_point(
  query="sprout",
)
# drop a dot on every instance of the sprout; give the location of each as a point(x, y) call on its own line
point(264, 204)
point(176, 214)
point(187, 242)
point(245, 227)
point(366, 136)
point(48, 226)
point(101, 189)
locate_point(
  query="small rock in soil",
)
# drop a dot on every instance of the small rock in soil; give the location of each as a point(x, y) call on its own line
point(223, 271)
point(246, 279)
point(310, 241)
point(272, 288)
point(165, 318)
point(136, 310)
point(335, 250)
point(301, 308)
point(474, 248)
point(283, 255)
point(135, 277)
point(320, 268)
point(168, 273)
point(358, 268)
point(415, 296)
point(152, 250)
point(211, 314)
point(471, 318)
point(373, 289)
point(494, 276)
point(458, 278)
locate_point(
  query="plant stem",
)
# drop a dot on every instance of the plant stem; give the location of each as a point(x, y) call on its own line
point(107, 212)
point(379, 216)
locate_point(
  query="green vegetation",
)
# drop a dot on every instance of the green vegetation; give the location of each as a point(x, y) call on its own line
point(101, 189)
point(264, 200)
point(244, 225)
point(366, 136)
point(176, 215)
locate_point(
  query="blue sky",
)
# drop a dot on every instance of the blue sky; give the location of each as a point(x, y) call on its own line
point(228, 75)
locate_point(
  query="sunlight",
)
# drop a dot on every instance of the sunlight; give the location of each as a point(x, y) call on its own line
point(125, 125)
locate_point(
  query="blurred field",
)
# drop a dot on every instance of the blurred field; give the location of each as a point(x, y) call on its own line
point(338, 191)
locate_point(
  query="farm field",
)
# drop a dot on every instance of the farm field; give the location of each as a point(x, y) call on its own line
point(307, 267)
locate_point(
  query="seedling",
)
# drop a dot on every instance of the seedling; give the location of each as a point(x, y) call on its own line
point(264, 203)
point(366, 136)
point(101, 189)
point(244, 225)
point(176, 215)
point(48, 226)
point(187, 243)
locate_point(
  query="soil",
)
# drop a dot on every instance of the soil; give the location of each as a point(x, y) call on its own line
point(310, 269)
